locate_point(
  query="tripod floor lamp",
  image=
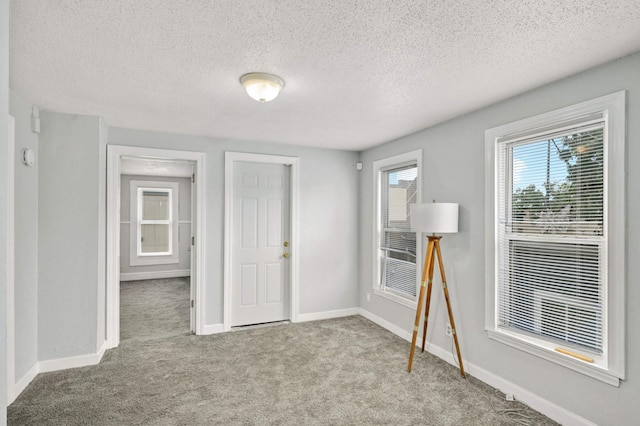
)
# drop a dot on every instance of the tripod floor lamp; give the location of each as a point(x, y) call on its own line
point(433, 218)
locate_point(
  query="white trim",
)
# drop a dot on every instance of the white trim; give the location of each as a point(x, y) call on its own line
point(112, 311)
point(398, 299)
point(154, 275)
point(583, 367)
point(102, 350)
point(54, 365)
point(72, 361)
point(294, 162)
point(338, 313)
point(114, 156)
point(378, 166)
point(548, 408)
point(213, 328)
point(398, 331)
point(295, 240)
point(11, 260)
point(541, 405)
point(612, 108)
point(22, 384)
point(199, 211)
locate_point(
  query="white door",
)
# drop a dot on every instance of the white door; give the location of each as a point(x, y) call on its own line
point(260, 241)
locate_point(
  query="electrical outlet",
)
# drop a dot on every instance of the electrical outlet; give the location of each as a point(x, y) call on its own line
point(449, 331)
point(368, 297)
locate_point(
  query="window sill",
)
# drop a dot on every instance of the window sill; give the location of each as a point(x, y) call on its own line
point(566, 361)
point(153, 260)
point(398, 299)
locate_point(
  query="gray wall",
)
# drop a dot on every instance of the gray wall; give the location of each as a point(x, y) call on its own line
point(4, 111)
point(26, 240)
point(328, 216)
point(453, 158)
point(71, 256)
point(184, 225)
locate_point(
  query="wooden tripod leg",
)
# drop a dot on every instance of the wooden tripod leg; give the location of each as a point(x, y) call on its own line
point(429, 285)
point(428, 260)
point(446, 296)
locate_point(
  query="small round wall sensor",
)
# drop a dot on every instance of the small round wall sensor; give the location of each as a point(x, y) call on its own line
point(28, 157)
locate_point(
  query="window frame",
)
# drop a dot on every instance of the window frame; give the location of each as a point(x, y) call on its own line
point(379, 166)
point(136, 258)
point(612, 108)
point(140, 221)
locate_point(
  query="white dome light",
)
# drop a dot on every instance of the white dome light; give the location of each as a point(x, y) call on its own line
point(261, 86)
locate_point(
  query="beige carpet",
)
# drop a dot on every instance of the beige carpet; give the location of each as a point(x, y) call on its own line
point(345, 371)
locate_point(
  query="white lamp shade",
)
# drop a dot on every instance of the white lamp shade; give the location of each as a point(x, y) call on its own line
point(437, 218)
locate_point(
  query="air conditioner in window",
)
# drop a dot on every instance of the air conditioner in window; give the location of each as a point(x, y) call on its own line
point(568, 319)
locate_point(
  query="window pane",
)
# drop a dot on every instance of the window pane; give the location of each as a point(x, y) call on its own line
point(553, 186)
point(557, 184)
point(399, 262)
point(399, 275)
point(155, 238)
point(155, 205)
point(399, 189)
point(552, 290)
point(398, 243)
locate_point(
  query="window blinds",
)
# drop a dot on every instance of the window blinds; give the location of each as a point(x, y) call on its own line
point(552, 235)
point(398, 243)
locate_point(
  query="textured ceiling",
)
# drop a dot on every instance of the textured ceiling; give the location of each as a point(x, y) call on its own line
point(358, 73)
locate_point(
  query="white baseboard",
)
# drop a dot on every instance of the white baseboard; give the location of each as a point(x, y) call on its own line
point(73, 361)
point(101, 351)
point(315, 316)
point(23, 382)
point(54, 365)
point(154, 275)
point(213, 329)
point(548, 408)
point(386, 324)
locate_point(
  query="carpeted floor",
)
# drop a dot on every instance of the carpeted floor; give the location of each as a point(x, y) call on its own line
point(153, 309)
point(341, 371)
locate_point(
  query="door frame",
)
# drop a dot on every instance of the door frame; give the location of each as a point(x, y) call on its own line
point(230, 158)
point(11, 262)
point(114, 157)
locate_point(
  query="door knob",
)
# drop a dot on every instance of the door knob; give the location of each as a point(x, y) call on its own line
point(286, 255)
point(286, 244)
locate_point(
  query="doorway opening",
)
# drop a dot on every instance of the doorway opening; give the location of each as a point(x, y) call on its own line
point(154, 308)
point(155, 250)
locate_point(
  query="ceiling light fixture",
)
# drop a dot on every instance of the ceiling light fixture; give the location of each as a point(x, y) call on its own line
point(261, 86)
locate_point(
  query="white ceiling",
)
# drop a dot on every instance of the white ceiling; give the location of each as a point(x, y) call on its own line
point(358, 73)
